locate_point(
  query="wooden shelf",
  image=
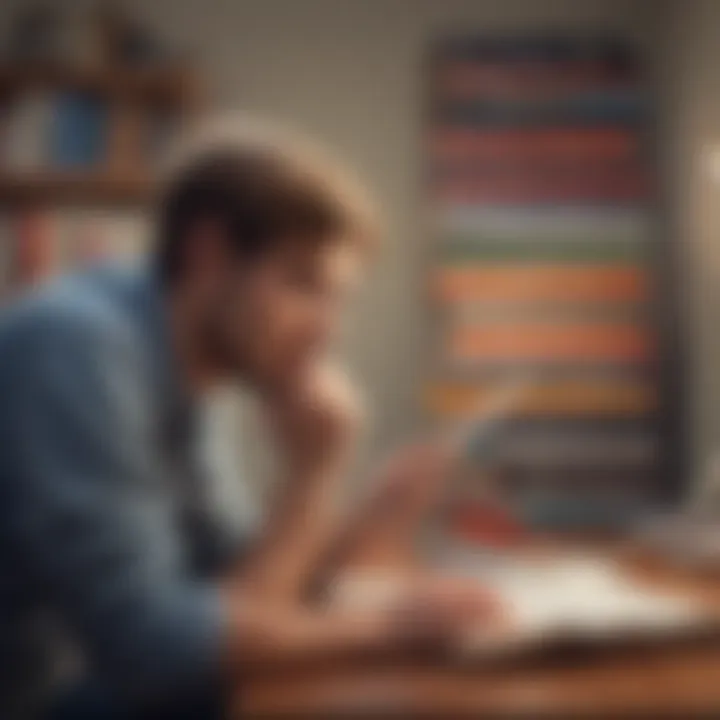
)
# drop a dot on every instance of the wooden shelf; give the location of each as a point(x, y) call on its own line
point(79, 188)
point(162, 85)
point(135, 98)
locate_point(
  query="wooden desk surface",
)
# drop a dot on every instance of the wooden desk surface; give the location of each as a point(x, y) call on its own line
point(679, 679)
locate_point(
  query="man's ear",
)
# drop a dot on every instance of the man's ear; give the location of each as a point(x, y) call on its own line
point(208, 251)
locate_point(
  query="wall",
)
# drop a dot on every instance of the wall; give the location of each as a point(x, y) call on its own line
point(351, 71)
point(692, 57)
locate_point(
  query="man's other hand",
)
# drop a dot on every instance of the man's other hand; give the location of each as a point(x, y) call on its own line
point(437, 612)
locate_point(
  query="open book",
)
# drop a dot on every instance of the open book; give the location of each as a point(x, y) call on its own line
point(573, 597)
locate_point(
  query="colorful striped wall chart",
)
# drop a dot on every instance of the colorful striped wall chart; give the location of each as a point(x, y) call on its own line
point(544, 239)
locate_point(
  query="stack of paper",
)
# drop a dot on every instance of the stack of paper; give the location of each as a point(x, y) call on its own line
point(547, 600)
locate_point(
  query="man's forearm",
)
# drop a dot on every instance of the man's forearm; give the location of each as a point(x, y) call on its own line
point(430, 613)
point(263, 635)
point(314, 421)
point(302, 526)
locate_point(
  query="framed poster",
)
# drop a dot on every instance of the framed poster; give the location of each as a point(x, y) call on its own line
point(550, 275)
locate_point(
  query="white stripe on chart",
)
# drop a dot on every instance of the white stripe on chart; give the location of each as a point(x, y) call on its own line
point(546, 223)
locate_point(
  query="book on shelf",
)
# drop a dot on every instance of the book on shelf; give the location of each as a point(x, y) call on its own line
point(54, 131)
point(6, 247)
point(78, 137)
point(34, 252)
point(26, 138)
point(37, 245)
point(161, 131)
point(93, 236)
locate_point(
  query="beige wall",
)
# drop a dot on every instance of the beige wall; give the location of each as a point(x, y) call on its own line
point(691, 61)
point(351, 71)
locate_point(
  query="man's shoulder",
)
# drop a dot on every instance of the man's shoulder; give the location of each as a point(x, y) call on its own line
point(74, 313)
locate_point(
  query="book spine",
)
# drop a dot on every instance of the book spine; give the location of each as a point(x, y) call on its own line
point(33, 256)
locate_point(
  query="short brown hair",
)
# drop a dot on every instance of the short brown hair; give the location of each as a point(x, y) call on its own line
point(261, 187)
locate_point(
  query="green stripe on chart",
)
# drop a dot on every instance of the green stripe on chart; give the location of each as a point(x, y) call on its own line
point(463, 248)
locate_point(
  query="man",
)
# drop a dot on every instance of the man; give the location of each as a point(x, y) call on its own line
point(106, 537)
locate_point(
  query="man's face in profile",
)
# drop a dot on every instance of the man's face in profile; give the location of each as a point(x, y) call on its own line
point(271, 317)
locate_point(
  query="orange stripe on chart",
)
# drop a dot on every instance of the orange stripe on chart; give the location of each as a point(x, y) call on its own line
point(541, 283)
point(613, 186)
point(548, 343)
point(562, 398)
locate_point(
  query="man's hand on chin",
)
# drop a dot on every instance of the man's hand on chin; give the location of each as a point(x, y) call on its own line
point(315, 420)
point(314, 423)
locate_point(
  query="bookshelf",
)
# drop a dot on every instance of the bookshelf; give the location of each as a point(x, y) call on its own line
point(173, 85)
point(130, 100)
point(74, 188)
point(78, 151)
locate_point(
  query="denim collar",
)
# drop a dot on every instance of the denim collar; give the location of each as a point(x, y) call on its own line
point(151, 307)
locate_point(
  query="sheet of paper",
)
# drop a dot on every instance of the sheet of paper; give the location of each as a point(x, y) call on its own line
point(582, 597)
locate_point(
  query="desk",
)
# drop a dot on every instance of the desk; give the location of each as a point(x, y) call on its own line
point(682, 680)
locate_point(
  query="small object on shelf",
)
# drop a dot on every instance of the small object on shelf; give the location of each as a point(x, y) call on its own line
point(87, 236)
point(126, 42)
point(161, 131)
point(79, 131)
point(33, 257)
point(6, 249)
point(35, 35)
point(28, 123)
point(80, 44)
point(127, 234)
point(93, 247)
